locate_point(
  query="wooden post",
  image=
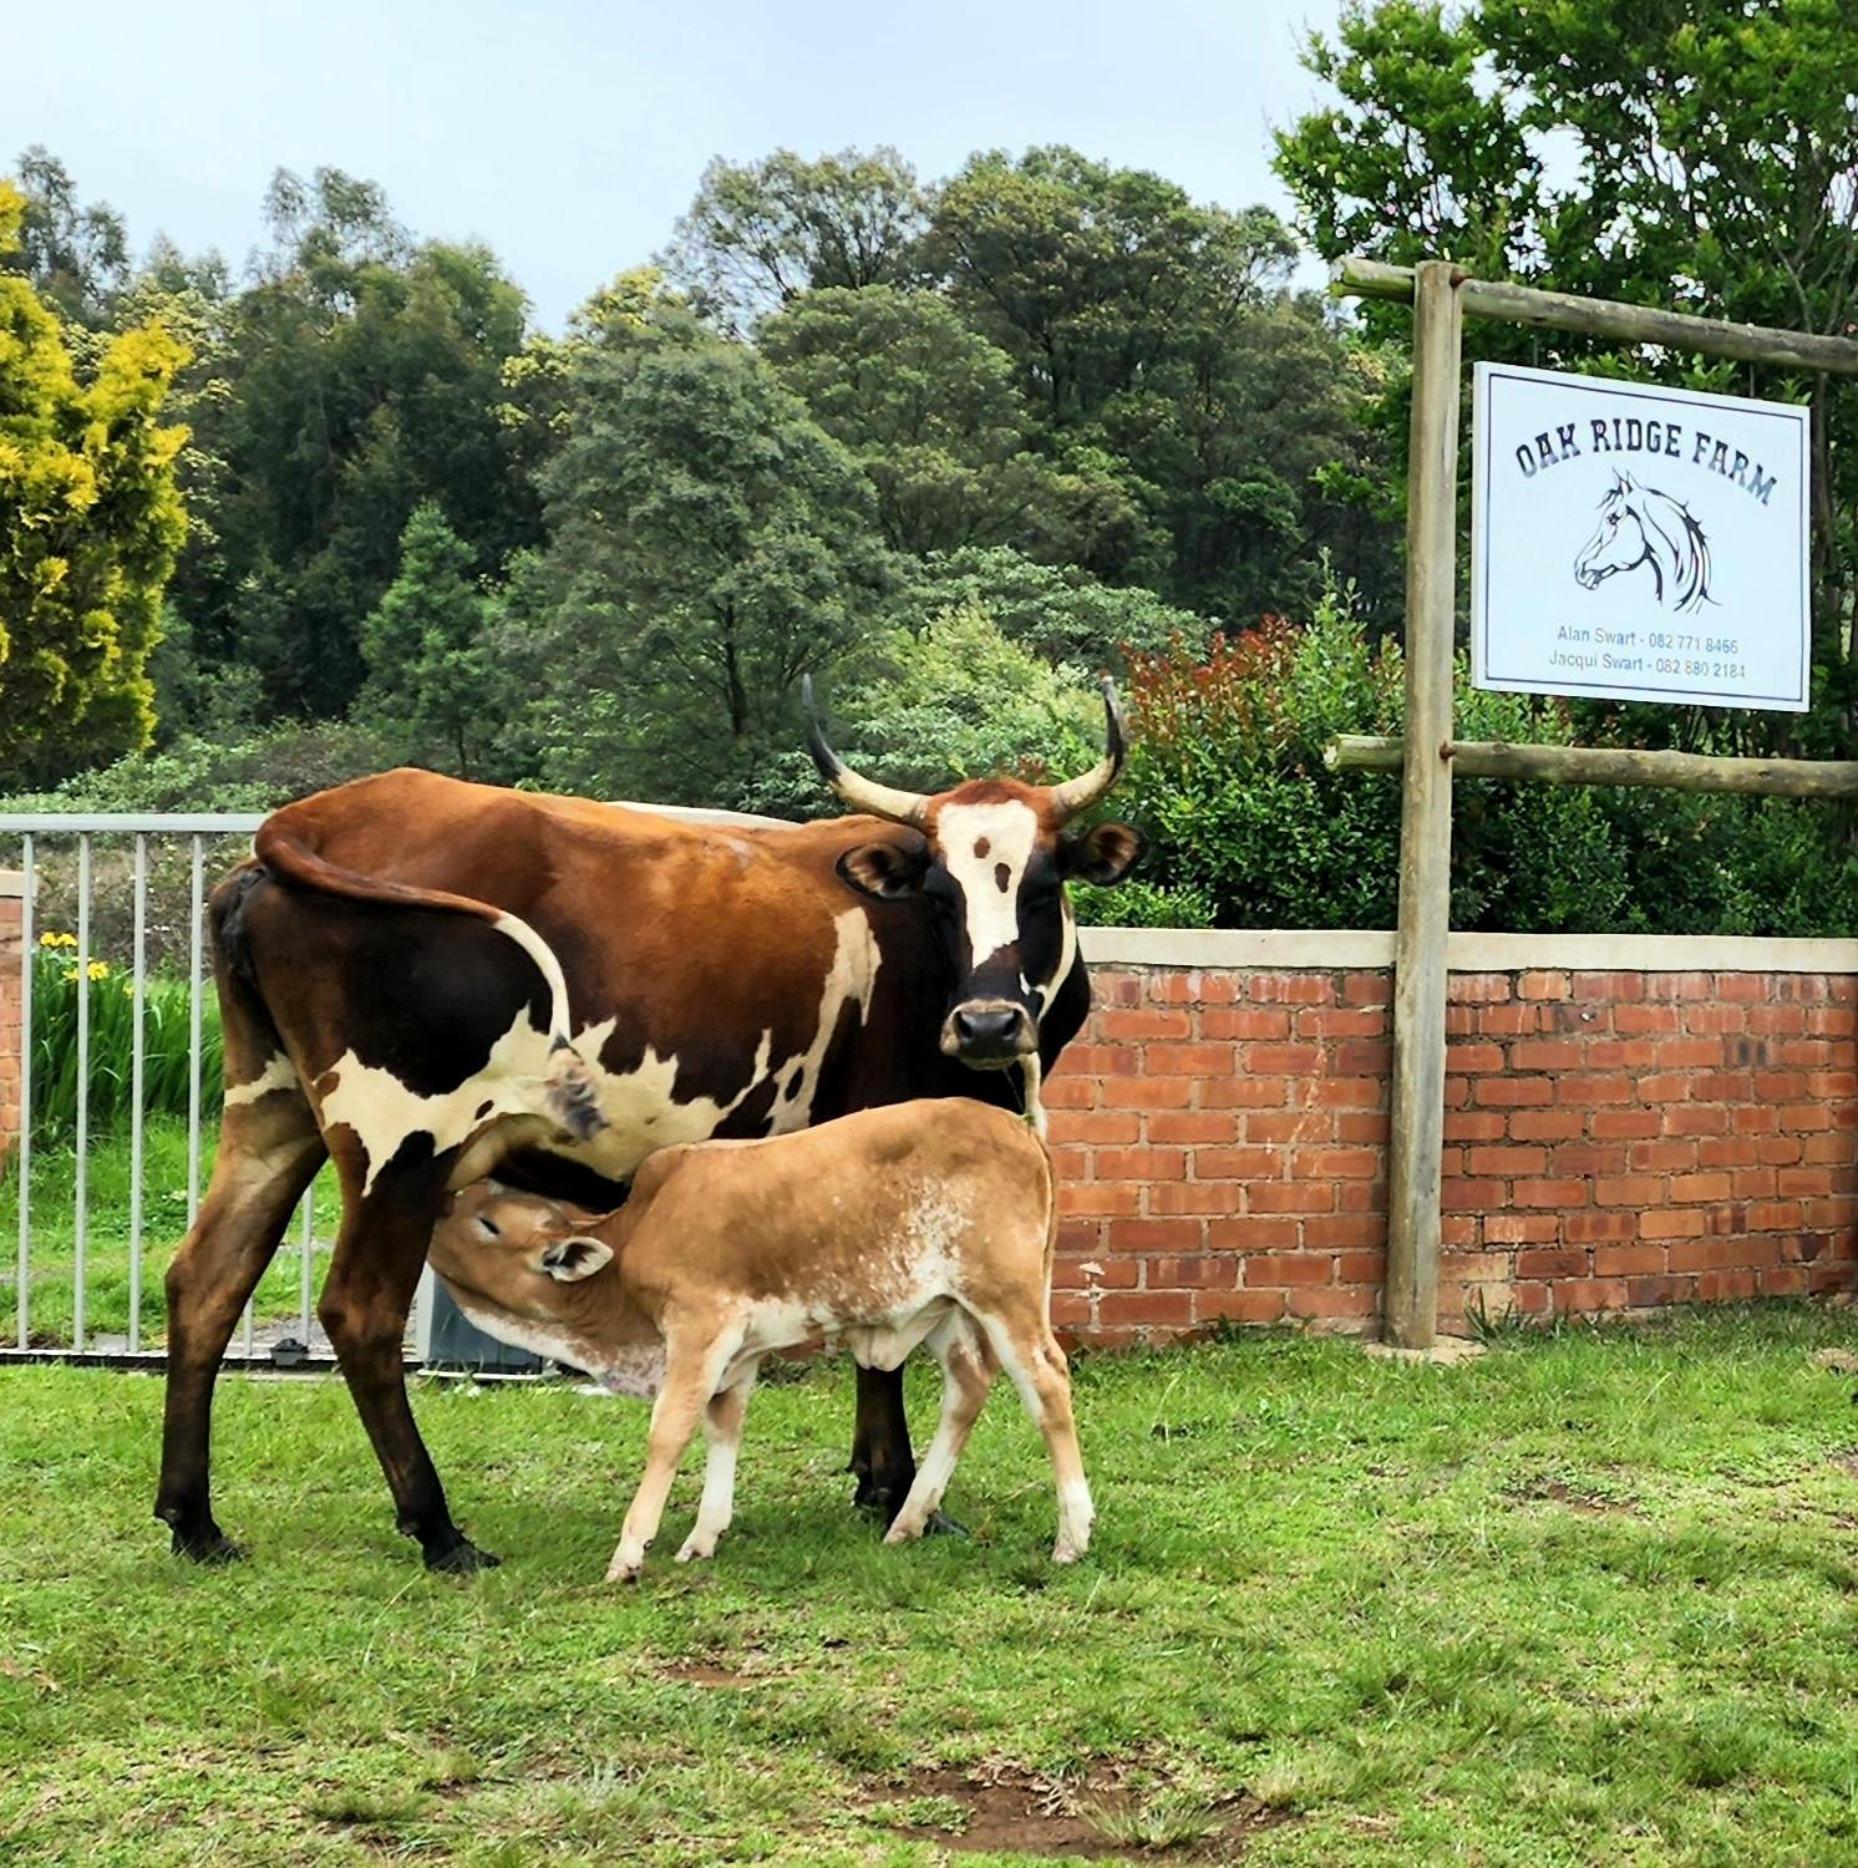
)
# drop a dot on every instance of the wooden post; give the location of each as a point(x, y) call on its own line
point(1425, 815)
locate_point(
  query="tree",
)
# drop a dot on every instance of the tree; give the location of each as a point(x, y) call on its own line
point(363, 375)
point(1705, 158)
point(430, 686)
point(90, 521)
point(76, 257)
point(709, 546)
point(761, 233)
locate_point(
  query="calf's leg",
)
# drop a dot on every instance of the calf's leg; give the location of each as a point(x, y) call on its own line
point(269, 1152)
point(967, 1375)
point(1030, 1354)
point(364, 1307)
point(695, 1359)
point(722, 1430)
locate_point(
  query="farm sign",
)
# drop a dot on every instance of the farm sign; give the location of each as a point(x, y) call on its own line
point(1635, 543)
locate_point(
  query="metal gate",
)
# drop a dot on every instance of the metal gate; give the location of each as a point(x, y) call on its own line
point(119, 1092)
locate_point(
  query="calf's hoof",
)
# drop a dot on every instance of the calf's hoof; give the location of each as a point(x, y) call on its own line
point(625, 1566)
point(1065, 1551)
point(210, 1546)
point(696, 1549)
point(460, 1559)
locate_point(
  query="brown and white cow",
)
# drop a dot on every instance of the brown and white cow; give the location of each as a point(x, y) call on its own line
point(425, 980)
point(923, 1222)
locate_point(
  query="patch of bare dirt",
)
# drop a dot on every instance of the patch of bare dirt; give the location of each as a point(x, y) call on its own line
point(1101, 1816)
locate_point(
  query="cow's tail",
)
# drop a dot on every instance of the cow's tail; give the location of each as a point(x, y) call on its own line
point(571, 1095)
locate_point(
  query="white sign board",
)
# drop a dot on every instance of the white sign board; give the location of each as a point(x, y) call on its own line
point(1634, 543)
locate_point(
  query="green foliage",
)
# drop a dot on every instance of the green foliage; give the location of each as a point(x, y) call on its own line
point(1680, 154)
point(710, 545)
point(166, 1031)
point(90, 521)
point(430, 684)
point(760, 234)
point(1228, 781)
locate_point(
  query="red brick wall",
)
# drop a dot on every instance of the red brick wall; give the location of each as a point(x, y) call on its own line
point(1614, 1141)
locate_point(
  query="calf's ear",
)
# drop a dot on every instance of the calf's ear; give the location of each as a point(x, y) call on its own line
point(567, 1261)
point(887, 871)
point(1103, 855)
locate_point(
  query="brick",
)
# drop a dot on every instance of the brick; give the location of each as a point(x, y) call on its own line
point(1624, 1124)
point(1688, 1189)
point(1803, 1118)
point(1590, 986)
point(1147, 1022)
point(1367, 989)
point(1696, 1119)
point(1506, 1162)
point(1477, 988)
point(1671, 1156)
point(1363, 1057)
point(1197, 1059)
point(1347, 1233)
point(1724, 1020)
point(1590, 1296)
point(1286, 1196)
point(1631, 1190)
point(1169, 1307)
point(1236, 1163)
point(1333, 1022)
point(1352, 1301)
point(1361, 1267)
point(1542, 985)
point(1511, 1021)
point(1275, 1127)
point(1513, 1092)
point(1545, 1054)
point(1253, 1092)
point(1288, 1268)
point(1151, 1164)
point(1645, 1293)
point(1337, 1163)
point(1253, 1232)
point(1457, 1195)
point(1083, 1199)
point(1068, 1274)
point(1283, 1060)
point(1522, 1228)
point(1689, 1053)
point(1215, 1196)
point(1195, 1125)
point(1243, 1022)
point(1474, 1125)
point(1201, 1272)
point(1159, 1092)
point(1349, 1093)
point(1555, 1262)
point(1190, 986)
point(1622, 1053)
point(1585, 1089)
point(1291, 988)
point(1363, 1128)
point(1472, 1059)
point(1606, 1226)
point(1093, 1126)
point(1067, 1092)
point(1101, 1060)
point(1138, 1236)
point(1550, 1191)
point(1671, 1223)
point(1239, 1306)
point(1627, 1261)
point(1632, 1019)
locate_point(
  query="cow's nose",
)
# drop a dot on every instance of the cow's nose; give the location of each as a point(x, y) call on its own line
point(985, 1029)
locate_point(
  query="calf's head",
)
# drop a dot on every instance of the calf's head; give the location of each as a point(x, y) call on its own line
point(514, 1252)
point(991, 866)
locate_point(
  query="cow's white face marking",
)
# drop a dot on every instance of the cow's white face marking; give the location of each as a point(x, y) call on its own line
point(279, 1074)
point(985, 848)
point(639, 1105)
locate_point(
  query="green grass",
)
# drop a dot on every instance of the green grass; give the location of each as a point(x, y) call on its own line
point(52, 1306)
point(1588, 1599)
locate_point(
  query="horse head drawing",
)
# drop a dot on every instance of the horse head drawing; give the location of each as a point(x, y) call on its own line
point(1641, 526)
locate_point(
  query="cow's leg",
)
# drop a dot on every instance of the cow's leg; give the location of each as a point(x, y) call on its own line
point(695, 1358)
point(1029, 1352)
point(364, 1307)
point(269, 1151)
point(722, 1430)
point(967, 1375)
point(882, 1461)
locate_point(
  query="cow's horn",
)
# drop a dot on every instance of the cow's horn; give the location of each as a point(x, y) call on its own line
point(862, 794)
point(1079, 794)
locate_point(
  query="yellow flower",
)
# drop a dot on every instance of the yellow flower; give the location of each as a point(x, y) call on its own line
point(99, 969)
point(71, 975)
point(57, 940)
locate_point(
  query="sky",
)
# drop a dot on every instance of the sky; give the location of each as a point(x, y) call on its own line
point(569, 135)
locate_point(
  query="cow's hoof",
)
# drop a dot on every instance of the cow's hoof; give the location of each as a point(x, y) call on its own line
point(460, 1559)
point(942, 1525)
point(211, 1546)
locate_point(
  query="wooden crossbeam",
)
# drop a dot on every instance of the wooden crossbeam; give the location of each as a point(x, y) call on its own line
point(1608, 318)
point(1608, 765)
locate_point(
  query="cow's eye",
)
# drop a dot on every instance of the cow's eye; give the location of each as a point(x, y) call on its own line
point(488, 1227)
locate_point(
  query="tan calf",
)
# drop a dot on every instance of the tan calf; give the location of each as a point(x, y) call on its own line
point(925, 1222)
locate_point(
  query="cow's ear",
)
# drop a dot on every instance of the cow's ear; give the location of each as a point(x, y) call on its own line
point(886, 870)
point(567, 1261)
point(1103, 855)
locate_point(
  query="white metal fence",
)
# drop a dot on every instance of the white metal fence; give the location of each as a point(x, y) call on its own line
point(83, 1272)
